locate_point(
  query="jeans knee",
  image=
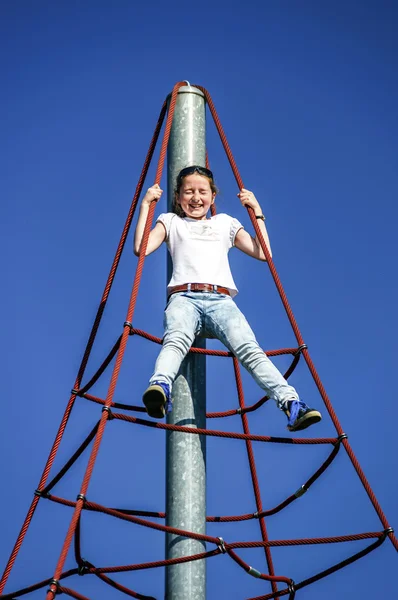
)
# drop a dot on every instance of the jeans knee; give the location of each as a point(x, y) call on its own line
point(177, 340)
point(250, 354)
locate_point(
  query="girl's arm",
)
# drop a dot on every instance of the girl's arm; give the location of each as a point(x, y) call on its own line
point(158, 233)
point(243, 240)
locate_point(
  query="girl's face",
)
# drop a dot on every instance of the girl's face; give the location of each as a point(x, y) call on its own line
point(195, 196)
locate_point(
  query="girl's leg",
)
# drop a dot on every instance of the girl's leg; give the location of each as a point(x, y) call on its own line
point(181, 324)
point(225, 320)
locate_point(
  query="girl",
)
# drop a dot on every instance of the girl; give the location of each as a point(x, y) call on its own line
point(201, 290)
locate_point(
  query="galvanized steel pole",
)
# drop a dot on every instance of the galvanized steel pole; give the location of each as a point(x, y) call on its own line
point(185, 453)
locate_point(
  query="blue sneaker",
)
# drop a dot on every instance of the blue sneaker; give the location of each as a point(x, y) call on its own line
point(300, 416)
point(157, 400)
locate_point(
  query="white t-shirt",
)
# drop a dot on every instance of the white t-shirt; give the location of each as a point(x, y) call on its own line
point(199, 249)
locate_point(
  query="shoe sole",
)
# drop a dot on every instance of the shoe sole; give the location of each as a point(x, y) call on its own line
point(155, 402)
point(306, 421)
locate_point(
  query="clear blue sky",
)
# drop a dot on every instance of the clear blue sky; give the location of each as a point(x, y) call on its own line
point(307, 93)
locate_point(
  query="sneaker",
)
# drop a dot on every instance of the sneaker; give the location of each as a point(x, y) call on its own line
point(157, 400)
point(300, 415)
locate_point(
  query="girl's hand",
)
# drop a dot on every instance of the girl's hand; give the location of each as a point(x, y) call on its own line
point(153, 194)
point(249, 199)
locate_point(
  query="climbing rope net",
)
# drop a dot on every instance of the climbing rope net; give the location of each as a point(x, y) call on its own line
point(55, 584)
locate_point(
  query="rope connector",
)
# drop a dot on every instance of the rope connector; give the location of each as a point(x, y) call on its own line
point(41, 493)
point(74, 391)
point(256, 515)
point(342, 437)
point(239, 410)
point(301, 491)
point(300, 349)
point(127, 324)
point(389, 530)
point(54, 582)
point(83, 568)
point(108, 410)
point(253, 572)
point(81, 497)
point(221, 545)
point(292, 589)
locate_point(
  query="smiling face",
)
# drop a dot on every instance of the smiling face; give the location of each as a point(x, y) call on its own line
point(195, 196)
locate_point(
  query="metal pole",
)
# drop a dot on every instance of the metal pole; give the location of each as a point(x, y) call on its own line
point(185, 453)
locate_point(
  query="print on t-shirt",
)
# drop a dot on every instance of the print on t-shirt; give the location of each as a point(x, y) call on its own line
point(203, 230)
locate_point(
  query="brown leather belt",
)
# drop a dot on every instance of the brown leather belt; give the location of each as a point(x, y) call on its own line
point(199, 287)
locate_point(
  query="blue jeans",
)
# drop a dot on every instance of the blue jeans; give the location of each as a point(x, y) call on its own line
point(189, 314)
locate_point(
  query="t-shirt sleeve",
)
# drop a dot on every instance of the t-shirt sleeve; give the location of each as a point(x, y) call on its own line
point(235, 225)
point(165, 219)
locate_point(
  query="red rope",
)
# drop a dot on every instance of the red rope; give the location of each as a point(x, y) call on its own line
point(72, 593)
point(224, 434)
point(253, 472)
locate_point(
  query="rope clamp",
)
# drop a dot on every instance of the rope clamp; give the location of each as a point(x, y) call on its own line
point(301, 491)
point(41, 493)
point(83, 568)
point(74, 391)
point(300, 349)
point(56, 583)
point(221, 545)
point(108, 410)
point(239, 410)
point(127, 324)
point(252, 571)
point(256, 515)
point(342, 437)
point(292, 589)
point(389, 530)
point(81, 497)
